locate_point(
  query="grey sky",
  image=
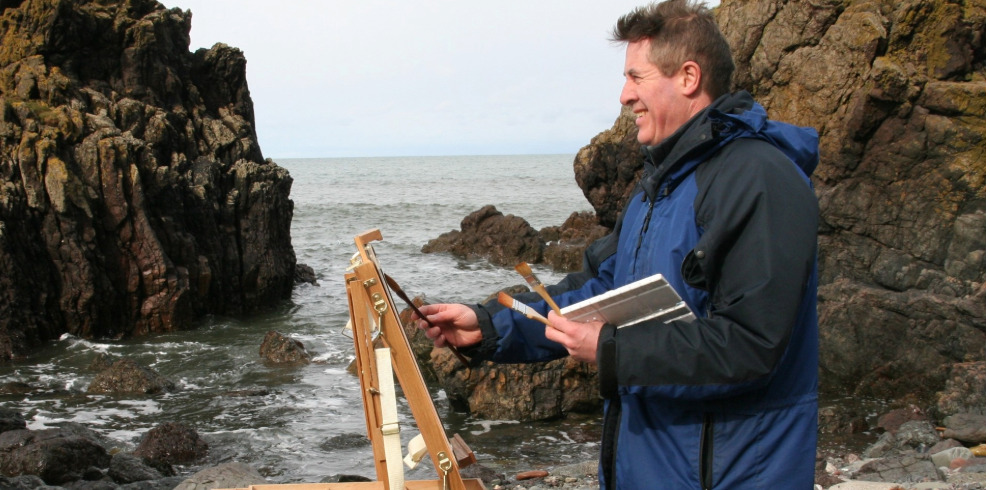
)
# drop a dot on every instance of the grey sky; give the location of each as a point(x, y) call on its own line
point(432, 77)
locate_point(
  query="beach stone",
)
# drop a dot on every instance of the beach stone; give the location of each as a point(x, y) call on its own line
point(944, 458)
point(917, 434)
point(906, 466)
point(943, 445)
point(892, 420)
point(966, 427)
point(227, 475)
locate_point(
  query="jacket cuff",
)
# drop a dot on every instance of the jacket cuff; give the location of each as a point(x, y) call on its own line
point(608, 383)
point(485, 349)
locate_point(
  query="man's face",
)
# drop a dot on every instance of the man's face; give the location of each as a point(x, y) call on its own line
point(656, 99)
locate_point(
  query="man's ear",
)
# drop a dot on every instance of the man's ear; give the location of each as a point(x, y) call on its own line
point(690, 78)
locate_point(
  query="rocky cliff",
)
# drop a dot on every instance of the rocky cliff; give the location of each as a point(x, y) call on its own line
point(133, 194)
point(897, 91)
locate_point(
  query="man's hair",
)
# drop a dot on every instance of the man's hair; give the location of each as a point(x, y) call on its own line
point(680, 31)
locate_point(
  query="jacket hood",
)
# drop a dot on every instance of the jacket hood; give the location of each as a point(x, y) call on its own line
point(731, 116)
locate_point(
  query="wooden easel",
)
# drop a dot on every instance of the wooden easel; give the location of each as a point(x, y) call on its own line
point(375, 323)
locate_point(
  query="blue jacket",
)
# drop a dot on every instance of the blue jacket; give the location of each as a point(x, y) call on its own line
point(725, 211)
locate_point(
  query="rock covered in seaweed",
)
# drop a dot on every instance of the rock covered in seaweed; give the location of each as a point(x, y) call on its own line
point(134, 196)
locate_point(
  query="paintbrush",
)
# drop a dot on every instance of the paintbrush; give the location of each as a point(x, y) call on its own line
point(524, 270)
point(514, 304)
point(394, 286)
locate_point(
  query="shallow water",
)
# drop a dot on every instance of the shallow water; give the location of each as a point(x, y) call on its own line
point(306, 423)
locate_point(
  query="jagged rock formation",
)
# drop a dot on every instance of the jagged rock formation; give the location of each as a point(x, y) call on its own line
point(506, 240)
point(134, 196)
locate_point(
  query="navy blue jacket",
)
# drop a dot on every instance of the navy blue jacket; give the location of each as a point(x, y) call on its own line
point(725, 211)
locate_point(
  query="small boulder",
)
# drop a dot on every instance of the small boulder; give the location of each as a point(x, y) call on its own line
point(171, 443)
point(127, 376)
point(278, 348)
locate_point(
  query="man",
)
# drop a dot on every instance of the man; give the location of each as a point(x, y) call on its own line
point(725, 211)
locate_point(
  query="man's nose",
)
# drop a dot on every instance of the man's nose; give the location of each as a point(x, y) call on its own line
point(628, 95)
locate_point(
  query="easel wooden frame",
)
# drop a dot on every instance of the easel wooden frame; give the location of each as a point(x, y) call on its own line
point(375, 322)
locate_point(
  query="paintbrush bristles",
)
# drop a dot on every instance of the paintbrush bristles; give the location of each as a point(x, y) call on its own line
point(524, 270)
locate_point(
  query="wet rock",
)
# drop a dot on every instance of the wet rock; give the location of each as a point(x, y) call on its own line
point(56, 455)
point(281, 349)
point(171, 443)
point(488, 234)
point(228, 475)
point(11, 420)
point(23, 482)
point(305, 274)
point(126, 468)
point(127, 376)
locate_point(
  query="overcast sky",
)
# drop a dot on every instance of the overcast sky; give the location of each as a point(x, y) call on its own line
point(431, 77)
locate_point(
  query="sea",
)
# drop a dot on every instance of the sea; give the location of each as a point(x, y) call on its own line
point(304, 424)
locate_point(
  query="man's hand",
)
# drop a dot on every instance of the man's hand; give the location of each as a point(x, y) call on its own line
point(453, 324)
point(580, 339)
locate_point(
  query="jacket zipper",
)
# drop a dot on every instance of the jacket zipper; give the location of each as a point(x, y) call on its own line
point(707, 451)
point(664, 192)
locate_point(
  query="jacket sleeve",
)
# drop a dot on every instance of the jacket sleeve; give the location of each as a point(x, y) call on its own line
point(509, 337)
point(755, 258)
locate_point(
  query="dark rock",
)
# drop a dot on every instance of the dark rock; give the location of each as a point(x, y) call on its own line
point(102, 361)
point(228, 475)
point(167, 483)
point(305, 274)
point(127, 376)
point(22, 482)
point(57, 455)
point(841, 419)
point(277, 348)
point(11, 420)
point(171, 443)
point(134, 195)
point(607, 169)
point(488, 234)
point(126, 468)
point(564, 245)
